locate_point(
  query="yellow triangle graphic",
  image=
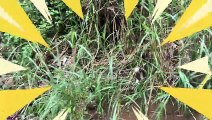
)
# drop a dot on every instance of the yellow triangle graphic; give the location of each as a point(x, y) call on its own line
point(13, 20)
point(13, 100)
point(42, 7)
point(129, 6)
point(75, 5)
point(198, 16)
point(200, 65)
point(8, 67)
point(159, 8)
point(198, 99)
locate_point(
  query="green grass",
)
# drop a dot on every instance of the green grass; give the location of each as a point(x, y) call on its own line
point(102, 69)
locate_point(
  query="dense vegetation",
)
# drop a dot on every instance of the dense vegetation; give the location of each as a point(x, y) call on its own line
point(90, 63)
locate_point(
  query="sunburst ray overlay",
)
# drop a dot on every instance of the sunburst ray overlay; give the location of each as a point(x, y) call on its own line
point(42, 7)
point(13, 20)
point(8, 67)
point(13, 100)
point(139, 115)
point(159, 8)
point(75, 5)
point(129, 6)
point(198, 16)
point(200, 65)
point(62, 115)
point(198, 99)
